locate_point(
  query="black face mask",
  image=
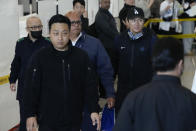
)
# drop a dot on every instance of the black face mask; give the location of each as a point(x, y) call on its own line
point(36, 34)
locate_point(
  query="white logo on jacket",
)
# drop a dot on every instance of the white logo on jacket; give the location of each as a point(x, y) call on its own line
point(122, 47)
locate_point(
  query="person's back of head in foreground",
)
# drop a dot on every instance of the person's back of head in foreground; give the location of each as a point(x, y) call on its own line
point(167, 57)
point(163, 104)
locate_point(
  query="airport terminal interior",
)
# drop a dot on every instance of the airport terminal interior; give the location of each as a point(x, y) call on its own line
point(14, 14)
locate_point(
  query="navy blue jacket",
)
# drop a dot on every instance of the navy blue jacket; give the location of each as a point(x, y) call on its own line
point(162, 105)
point(100, 61)
point(133, 62)
point(23, 52)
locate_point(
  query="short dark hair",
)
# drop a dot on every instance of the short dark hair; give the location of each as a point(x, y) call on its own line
point(59, 19)
point(167, 52)
point(82, 2)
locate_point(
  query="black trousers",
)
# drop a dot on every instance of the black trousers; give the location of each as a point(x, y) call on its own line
point(86, 121)
point(22, 126)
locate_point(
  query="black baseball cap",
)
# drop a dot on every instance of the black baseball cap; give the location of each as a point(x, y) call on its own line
point(135, 12)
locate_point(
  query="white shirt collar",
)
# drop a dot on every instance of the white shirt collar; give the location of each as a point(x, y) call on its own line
point(75, 41)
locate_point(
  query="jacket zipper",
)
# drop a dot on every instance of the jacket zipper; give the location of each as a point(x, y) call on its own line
point(63, 67)
point(34, 73)
point(68, 70)
point(132, 55)
point(64, 82)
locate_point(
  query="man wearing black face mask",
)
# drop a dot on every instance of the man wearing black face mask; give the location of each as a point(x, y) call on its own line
point(36, 34)
point(25, 47)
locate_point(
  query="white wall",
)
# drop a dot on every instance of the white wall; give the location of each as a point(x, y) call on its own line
point(93, 6)
point(46, 10)
point(48, 7)
point(65, 6)
point(8, 35)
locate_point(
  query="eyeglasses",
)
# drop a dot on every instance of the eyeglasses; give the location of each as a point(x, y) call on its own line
point(39, 27)
point(140, 21)
point(76, 22)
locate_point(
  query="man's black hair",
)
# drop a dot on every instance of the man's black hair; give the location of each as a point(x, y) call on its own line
point(166, 54)
point(82, 2)
point(59, 19)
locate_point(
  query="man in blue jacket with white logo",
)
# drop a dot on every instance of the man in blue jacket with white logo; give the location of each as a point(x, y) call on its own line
point(133, 55)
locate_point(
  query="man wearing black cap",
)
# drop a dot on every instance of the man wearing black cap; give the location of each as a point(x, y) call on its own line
point(133, 55)
point(123, 14)
point(163, 104)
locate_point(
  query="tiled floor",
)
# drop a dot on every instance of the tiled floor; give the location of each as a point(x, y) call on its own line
point(189, 71)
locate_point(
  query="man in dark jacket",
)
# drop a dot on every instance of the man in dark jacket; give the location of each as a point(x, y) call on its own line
point(25, 47)
point(106, 30)
point(123, 14)
point(163, 104)
point(99, 58)
point(106, 27)
point(59, 81)
point(133, 55)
